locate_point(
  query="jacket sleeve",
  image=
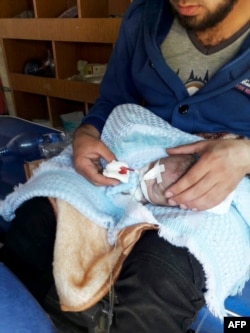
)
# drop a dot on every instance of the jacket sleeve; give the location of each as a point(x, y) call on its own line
point(117, 86)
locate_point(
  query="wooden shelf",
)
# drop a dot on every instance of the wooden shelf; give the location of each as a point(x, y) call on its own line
point(90, 37)
point(13, 8)
point(53, 9)
point(98, 30)
point(74, 90)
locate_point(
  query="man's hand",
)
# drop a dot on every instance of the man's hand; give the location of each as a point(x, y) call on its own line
point(87, 151)
point(221, 166)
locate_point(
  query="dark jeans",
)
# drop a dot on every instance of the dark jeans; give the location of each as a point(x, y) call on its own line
point(28, 246)
point(159, 288)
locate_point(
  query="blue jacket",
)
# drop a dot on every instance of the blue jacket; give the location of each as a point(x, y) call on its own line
point(137, 73)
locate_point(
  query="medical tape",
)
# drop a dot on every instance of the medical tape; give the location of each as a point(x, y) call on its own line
point(154, 173)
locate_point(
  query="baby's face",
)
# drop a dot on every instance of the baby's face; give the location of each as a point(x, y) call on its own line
point(175, 167)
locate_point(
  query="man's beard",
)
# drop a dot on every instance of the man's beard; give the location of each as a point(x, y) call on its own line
point(210, 20)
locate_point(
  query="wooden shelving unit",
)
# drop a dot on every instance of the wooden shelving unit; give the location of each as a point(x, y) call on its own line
point(89, 36)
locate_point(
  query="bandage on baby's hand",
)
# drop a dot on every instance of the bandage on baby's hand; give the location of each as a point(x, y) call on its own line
point(117, 170)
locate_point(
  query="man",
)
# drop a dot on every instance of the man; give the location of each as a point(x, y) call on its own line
point(188, 62)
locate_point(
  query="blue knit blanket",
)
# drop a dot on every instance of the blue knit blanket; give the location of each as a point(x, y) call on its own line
point(136, 136)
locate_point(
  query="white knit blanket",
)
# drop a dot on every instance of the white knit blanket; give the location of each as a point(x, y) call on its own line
point(136, 136)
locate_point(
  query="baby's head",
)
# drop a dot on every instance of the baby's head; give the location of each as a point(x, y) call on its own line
point(175, 166)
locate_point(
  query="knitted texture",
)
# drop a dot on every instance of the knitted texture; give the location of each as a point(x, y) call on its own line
point(136, 136)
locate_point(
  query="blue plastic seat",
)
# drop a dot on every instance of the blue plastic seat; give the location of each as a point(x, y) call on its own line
point(11, 167)
point(236, 306)
point(19, 311)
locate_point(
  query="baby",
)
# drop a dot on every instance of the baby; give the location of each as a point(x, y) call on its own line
point(155, 178)
point(160, 174)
